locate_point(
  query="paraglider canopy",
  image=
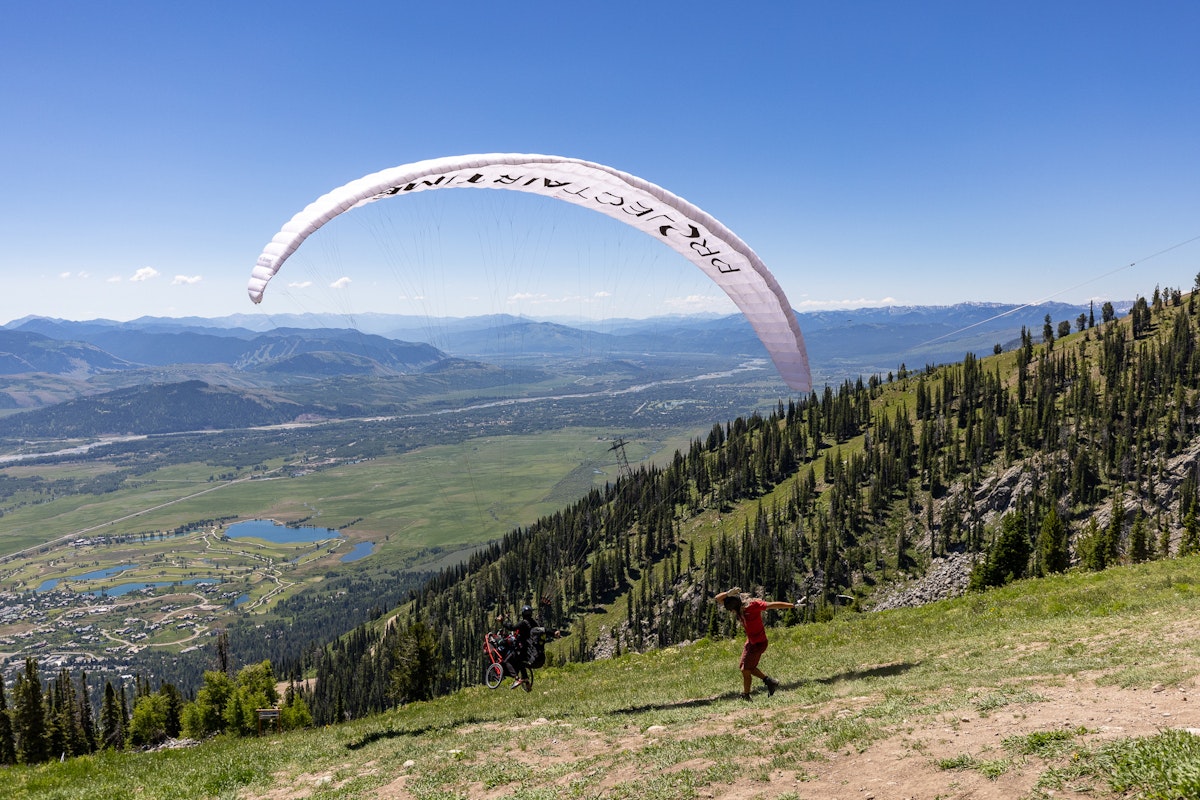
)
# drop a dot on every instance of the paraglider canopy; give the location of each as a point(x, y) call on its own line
point(704, 241)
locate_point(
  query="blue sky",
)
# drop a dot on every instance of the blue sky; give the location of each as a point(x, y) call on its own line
point(870, 152)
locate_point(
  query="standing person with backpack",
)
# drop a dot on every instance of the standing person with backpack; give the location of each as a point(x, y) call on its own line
point(748, 612)
point(516, 665)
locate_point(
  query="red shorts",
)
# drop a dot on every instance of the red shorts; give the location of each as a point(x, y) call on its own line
point(751, 653)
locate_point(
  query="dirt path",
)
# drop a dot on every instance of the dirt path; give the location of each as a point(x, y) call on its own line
point(907, 765)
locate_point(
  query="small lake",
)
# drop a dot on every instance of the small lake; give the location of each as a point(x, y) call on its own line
point(361, 550)
point(272, 531)
point(47, 585)
point(126, 588)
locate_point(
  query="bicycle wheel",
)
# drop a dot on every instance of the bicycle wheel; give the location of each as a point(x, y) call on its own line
point(493, 675)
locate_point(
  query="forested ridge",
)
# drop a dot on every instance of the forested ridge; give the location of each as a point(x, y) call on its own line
point(1077, 447)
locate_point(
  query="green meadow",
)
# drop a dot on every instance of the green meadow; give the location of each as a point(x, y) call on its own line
point(421, 509)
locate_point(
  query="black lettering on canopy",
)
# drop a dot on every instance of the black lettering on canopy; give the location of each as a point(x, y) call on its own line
point(664, 229)
point(700, 247)
point(638, 209)
point(578, 193)
point(408, 187)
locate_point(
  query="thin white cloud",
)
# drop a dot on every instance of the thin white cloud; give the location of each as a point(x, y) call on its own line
point(861, 302)
point(299, 284)
point(340, 283)
point(698, 302)
point(144, 274)
point(114, 279)
point(185, 280)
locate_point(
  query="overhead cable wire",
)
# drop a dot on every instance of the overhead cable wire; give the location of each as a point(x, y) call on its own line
point(1061, 291)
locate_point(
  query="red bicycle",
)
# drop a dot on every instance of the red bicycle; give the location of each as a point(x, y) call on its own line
point(495, 647)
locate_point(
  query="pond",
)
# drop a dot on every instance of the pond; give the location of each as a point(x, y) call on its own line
point(102, 573)
point(273, 532)
point(47, 585)
point(360, 550)
point(126, 588)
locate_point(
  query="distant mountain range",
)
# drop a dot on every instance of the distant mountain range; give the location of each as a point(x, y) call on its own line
point(840, 343)
point(284, 365)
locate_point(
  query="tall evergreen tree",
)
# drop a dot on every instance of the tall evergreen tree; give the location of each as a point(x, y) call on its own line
point(87, 720)
point(1052, 544)
point(8, 744)
point(1139, 543)
point(112, 720)
point(29, 716)
point(1008, 558)
point(1189, 543)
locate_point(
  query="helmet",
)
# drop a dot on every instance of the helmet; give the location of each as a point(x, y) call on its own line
point(526, 612)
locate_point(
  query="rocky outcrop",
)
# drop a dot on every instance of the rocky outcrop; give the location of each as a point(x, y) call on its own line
point(946, 577)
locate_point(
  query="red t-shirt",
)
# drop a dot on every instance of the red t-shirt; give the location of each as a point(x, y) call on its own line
point(752, 620)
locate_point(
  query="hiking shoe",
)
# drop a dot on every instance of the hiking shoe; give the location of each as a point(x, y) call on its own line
point(527, 686)
point(517, 683)
point(772, 685)
point(746, 697)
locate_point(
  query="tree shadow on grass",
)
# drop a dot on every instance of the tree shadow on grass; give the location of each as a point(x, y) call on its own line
point(881, 671)
point(690, 702)
point(396, 733)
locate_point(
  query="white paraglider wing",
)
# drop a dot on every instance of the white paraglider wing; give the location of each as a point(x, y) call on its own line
point(697, 236)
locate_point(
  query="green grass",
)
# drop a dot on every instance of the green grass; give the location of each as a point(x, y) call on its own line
point(669, 723)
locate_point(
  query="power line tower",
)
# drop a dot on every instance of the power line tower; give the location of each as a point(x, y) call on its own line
point(622, 462)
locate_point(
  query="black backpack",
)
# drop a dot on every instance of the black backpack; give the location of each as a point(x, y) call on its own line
point(536, 654)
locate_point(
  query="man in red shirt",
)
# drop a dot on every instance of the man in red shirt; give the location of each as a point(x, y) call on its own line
point(749, 613)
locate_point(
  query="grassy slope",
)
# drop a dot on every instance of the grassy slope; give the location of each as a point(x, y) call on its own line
point(863, 689)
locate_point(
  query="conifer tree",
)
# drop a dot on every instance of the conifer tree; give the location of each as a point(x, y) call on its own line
point(29, 716)
point(8, 745)
point(112, 721)
point(1053, 543)
point(66, 717)
point(1092, 546)
point(1112, 534)
point(417, 656)
point(1190, 542)
point(1008, 558)
point(1139, 543)
point(87, 721)
point(174, 704)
